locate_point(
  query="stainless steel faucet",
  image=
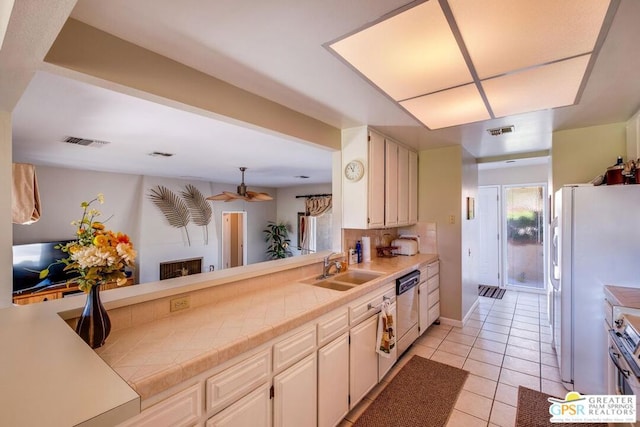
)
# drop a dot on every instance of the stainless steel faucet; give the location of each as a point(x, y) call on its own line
point(326, 271)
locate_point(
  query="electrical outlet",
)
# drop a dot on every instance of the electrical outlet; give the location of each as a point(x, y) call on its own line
point(181, 303)
point(452, 219)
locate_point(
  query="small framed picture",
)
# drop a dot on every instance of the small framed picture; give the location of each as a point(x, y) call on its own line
point(471, 208)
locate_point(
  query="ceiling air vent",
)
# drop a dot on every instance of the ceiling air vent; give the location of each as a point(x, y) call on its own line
point(501, 130)
point(84, 142)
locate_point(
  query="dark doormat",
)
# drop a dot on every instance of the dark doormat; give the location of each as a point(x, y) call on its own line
point(491, 291)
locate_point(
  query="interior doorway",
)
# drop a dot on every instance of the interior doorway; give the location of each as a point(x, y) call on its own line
point(234, 239)
point(489, 218)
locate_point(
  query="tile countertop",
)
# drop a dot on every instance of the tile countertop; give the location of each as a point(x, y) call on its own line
point(623, 296)
point(50, 377)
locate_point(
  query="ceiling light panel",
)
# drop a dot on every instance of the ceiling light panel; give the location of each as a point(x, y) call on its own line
point(448, 108)
point(503, 36)
point(410, 54)
point(550, 86)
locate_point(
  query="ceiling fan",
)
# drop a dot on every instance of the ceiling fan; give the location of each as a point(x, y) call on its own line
point(242, 193)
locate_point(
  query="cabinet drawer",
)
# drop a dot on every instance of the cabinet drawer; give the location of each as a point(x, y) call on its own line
point(337, 323)
point(253, 410)
point(433, 283)
point(433, 269)
point(236, 381)
point(294, 348)
point(181, 409)
point(363, 308)
point(434, 313)
point(434, 297)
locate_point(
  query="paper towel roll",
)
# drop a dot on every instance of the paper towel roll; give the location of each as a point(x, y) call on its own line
point(366, 248)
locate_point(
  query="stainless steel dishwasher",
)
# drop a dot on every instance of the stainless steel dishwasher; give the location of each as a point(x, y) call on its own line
point(407, 306)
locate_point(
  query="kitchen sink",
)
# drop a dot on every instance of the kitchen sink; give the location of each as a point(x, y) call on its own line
point(343, 281)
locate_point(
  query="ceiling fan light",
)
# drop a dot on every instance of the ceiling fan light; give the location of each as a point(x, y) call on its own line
point(241, 193)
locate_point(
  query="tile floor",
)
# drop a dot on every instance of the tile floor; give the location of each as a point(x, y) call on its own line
point(505, 343)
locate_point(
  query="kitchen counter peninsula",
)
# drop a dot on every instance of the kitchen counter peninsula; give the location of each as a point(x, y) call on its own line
point(51, 377)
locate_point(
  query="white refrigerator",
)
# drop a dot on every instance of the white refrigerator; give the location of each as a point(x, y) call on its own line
point(595, 242)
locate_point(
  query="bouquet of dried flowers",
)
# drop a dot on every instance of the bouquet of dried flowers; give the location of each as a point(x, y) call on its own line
point(97, 255)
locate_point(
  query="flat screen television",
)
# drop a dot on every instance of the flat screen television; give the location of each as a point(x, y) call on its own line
point(30, 259)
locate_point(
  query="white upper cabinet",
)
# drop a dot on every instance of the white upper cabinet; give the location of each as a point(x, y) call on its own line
point(386, 194)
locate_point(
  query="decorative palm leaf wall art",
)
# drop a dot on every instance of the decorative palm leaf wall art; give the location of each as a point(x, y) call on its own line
point(173, 207)
point(199, 208)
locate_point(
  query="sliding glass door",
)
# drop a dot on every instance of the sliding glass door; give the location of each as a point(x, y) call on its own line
point(523, 228)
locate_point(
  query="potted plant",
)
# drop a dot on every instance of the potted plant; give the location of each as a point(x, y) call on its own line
point(277, 238)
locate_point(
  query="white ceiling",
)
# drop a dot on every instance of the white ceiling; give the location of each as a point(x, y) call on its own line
point(275, 49)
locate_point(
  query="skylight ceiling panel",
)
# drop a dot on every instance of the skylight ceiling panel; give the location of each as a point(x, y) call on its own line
point(448, 108)
point(503, 36)
point(410, 54)
point(550, 86)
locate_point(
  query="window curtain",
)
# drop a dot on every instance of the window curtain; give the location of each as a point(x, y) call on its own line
point(314, 206)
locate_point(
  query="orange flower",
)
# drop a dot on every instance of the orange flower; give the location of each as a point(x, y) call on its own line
point(97, 226)
point(122, 238)
point(101, 240)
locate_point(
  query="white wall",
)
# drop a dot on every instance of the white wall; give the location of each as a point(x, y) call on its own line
point(6, 258)
point(471, 244)
point(513, 175)
point(126, 198)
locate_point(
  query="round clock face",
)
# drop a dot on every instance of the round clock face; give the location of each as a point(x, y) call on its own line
point(354, 170)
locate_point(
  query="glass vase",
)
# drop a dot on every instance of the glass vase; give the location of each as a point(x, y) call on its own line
point(94, 325)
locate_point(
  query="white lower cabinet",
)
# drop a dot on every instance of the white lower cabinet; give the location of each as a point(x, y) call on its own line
point(423, 307)
point(253, 410)
point(295, 394)
point(333, 381)
point(182, 409)
point(363, 359)
point(429, 296)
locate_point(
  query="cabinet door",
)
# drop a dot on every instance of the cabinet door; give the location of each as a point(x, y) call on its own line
point(423, 307)
point(391, 184)
point(253, 410)
point(363, 359)
point(413, 187)
point(181, 409)
point(403, 185)
point(386, 363)
point(295, 394)
point(333, 381)
point(376, 181)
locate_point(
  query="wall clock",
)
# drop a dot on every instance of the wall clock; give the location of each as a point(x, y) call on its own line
point(354, 170)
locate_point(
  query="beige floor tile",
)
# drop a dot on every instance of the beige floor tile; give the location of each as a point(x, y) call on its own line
point(482, 369)
point(503, 415)
point(467, 330)
point(429, 340)
point(437, 331)
point(550, 373)
point(503, 308)
point(421, 350)
point(479, 385)
point(474, 323)
point(474, 404)
point(359, 409)
point(507, 394)
point(524, 343)
point(546, 347)
point(486, 356)
point(535, 327)
point(554, 389)
point(521, 365)
point(514, 378)
point(546, 338)
point(455, 348)
point(549, 359)
point(460, 419)
point(500, 315)
point(448, 358)
point(478, 317)
point(528, 313)
point(493, 336)
point(523, 353)
point(494, 346)
point(498, 321)
point(494, 327)
point(526, 319)
point(460, 338)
